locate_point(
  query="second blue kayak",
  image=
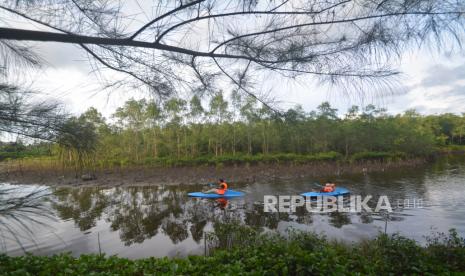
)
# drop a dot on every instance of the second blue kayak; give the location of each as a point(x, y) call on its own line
point(338, 192)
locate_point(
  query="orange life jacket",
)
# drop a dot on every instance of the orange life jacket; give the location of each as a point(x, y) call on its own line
point(328, 189)
point(222, 202)
point(222, 190)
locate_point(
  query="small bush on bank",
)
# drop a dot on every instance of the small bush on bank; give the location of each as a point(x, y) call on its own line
point(381, 156)
point(298, 254)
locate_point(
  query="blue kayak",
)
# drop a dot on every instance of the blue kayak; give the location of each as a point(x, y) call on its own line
point(228, 193)
point(338, 192)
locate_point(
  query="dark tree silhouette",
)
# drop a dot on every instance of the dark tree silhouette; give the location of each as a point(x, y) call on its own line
point(192, 45)
point(42, 119)
point(19, 113)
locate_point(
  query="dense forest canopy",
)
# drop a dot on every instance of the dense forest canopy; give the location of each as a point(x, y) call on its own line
point(145, 132)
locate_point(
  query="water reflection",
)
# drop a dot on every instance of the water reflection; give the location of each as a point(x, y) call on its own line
point(22, 209)
point(84, 206)
point(162, 220)
point(140, 213)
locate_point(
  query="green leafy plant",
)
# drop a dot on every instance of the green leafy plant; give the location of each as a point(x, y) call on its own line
point(258, 253)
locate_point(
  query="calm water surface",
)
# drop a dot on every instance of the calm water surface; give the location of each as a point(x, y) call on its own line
point(137, 222)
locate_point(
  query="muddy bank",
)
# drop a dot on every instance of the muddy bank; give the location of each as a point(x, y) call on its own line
point(143, 176)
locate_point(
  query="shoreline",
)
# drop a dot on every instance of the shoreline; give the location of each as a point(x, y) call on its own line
point(153, 176)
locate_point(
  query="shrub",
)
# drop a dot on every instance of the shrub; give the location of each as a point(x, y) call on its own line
point(257, 253)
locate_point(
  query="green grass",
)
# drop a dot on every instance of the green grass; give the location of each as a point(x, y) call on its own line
point(282, 158)
point(451, 148)
point(21, 155)
point(53, 162)
point(270, 254)
point(278, 158)
point(285, 158)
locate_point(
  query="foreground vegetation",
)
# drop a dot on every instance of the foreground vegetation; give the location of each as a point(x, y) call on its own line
point(180, 133)
point(299, 254)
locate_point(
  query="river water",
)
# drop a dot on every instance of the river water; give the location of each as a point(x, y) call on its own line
point(138, 222)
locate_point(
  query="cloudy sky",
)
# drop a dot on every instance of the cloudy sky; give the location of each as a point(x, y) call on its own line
point(431, 83)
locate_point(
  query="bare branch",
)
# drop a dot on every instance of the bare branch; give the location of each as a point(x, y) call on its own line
point(182, 7)
point(241, 87)
point(329, 40)
point(245, 13)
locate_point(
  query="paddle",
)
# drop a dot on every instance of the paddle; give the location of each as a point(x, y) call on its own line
point(320, 187)
point(317, 184)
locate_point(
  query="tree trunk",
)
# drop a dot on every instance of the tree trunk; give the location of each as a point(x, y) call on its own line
point(178, 145)
point(234, 141)
point(155, 146)
point(347, 149)
point(249, 143)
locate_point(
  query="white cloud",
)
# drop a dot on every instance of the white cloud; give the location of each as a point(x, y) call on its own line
point(435, 84)
point(430, 86)
point(79, 90)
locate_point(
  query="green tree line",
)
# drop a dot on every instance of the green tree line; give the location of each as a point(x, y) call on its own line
point(142, 131)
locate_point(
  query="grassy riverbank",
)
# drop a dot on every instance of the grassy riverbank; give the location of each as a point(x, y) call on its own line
point(225, 160)
point(51, 170)
point(299, 254)
point(236, 169)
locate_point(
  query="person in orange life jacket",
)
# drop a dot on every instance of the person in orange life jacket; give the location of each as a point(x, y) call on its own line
point(222, 188)
point(329, 187)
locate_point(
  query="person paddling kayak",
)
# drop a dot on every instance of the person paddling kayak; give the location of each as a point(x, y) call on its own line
point(328, 187)
point(222, 188)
